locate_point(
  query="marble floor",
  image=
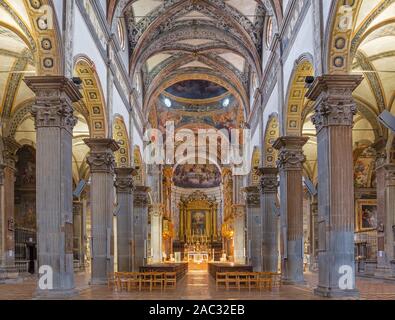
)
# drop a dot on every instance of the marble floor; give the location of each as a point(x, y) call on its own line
point(198, 285)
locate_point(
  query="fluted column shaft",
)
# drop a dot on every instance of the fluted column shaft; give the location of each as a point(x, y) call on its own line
point(124, 186)
point(290, 166)
point(54, 121)
point(270, 227)
point(389, 235)
point(254, 227)
point(140, 212)
point(239, 233)
point(156, 232)
point(334, 112)
point(7, 183)
point(101, 162)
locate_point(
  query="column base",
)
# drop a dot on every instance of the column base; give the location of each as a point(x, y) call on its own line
point(54, 294)
point(335, 293)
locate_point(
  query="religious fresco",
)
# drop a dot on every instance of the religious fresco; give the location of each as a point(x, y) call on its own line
point(197, 176)
point(198, 221)
point(218, 114)
point(364, 169)
point(196, 89)
point(25, 188)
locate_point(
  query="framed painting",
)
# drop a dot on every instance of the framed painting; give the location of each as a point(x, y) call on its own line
point(366, 215)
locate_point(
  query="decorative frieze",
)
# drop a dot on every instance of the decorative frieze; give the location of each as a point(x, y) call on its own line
point(101, 157)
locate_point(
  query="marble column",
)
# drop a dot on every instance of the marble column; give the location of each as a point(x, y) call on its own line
point(389, 235)
point(54, 121)
point(7, 244)
point(270, 227)
point(156, 232)
point(124, 186)
point(334, 112)
point(77, 231)
point(290, 166)
point(140, 212)
point(101, 162)
point(254, 227)
point(381, 157)
point(239, 233)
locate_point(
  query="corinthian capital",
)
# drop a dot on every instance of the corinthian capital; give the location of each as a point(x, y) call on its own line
point(290, 155)
point(334, 103)
point(124, 180)
point(101, 156)
point(54, 98)
point(269, 181)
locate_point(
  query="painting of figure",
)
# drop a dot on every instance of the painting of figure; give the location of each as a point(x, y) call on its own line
point(367, 215)
point(198, 219)
point(196, 89)
point(197, 176)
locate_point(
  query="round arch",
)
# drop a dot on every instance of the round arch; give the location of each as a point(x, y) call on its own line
point(120, 135)
point(139, 166)
point(296, 96)
point(271, 135)
point(93, 96)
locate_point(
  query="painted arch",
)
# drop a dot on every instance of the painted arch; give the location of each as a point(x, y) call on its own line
point(120, 135)
point(93, 97)
point(271, 135)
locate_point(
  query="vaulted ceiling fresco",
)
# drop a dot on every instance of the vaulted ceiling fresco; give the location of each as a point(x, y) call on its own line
point(195, 50)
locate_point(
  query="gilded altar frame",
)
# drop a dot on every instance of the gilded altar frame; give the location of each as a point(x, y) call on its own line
point(198, 201)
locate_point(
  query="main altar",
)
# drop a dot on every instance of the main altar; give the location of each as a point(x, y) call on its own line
point(199, 240)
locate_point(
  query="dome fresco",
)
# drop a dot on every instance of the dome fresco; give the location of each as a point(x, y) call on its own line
point(196, 90)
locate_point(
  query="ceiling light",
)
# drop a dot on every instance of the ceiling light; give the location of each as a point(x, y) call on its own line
point(167, 102)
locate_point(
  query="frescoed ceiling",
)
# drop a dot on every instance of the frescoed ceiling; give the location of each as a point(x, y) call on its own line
point(373, 48)
point(174, 43)
point(195, 104)
point(16, 55)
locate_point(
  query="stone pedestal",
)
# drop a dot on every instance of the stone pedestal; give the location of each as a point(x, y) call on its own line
point(54, 120)
point(290, 166)
point(140, 212)
point(334, 112)
point(7, 224)
point(156, 232)
point(254, 227)
point(124, 186)
point(239, 233)
point(101, 162)
point(270, 227)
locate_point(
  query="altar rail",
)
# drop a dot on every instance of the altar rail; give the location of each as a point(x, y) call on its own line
point(179, 268)
point(214, 268)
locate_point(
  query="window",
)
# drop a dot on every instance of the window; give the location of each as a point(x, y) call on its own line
point(121, 35)
point(269, 31)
